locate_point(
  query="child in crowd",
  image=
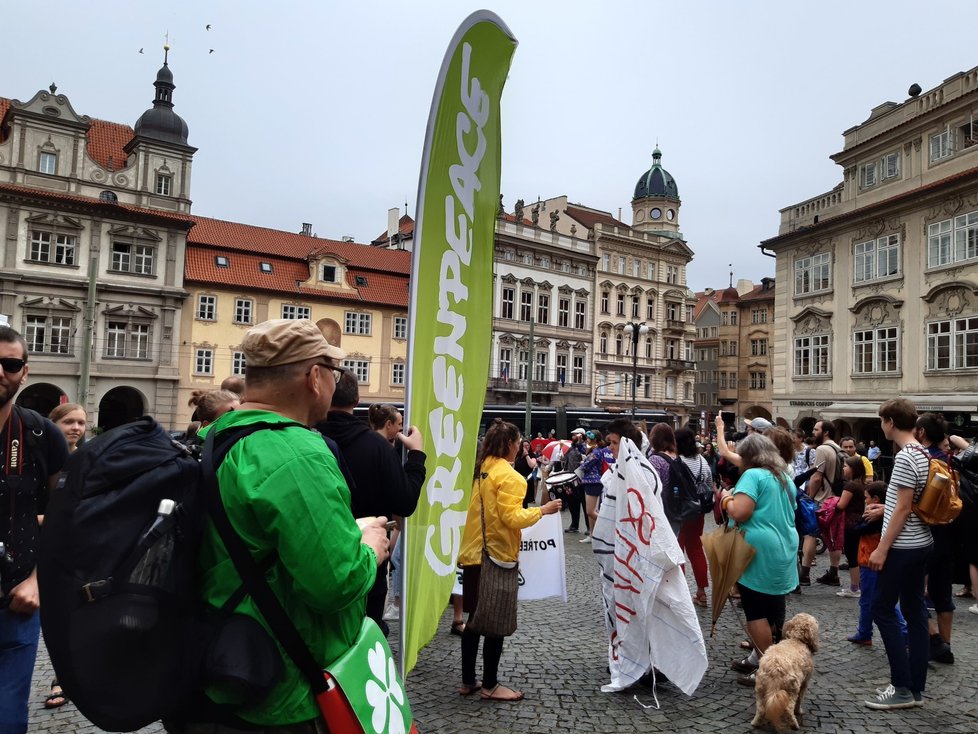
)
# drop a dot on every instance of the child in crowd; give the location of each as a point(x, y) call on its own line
point(871, 531)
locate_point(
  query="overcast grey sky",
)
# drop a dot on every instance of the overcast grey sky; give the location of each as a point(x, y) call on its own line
point(315, 111)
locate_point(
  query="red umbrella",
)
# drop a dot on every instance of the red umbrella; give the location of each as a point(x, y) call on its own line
point(555, 450)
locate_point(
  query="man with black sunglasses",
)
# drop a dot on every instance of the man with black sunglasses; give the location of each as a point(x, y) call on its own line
point(32, 452)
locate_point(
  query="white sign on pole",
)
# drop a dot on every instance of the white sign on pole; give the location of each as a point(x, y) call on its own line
point(542, 569)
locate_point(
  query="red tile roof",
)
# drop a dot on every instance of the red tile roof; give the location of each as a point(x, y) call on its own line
point(91, 201)
point(590, 217)
point(106, 140)
point(405, 229)
point(243, 272)
point(759, 293)
point(249, 238)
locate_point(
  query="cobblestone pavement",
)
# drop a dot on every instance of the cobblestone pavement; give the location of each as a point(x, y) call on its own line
point(558, 658)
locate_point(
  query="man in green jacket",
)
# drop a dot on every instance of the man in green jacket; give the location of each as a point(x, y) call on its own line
point(287, 499)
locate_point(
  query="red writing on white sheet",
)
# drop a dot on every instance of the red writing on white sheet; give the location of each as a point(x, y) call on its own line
point(627, 576)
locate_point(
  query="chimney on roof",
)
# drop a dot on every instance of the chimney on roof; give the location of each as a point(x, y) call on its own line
point(348, 238)
point(306, 229)
point(393, 223)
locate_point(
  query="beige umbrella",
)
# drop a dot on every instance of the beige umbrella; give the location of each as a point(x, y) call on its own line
point(728, 553)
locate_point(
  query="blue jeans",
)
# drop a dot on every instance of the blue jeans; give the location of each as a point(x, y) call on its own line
point(397, 560)
point(867, 587)
point(18, 651)
point(902, 579)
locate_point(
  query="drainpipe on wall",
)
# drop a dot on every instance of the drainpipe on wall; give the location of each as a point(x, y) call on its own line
point(84, 382)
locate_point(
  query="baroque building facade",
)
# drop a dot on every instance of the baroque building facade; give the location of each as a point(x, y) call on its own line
point(880, 274)
point(93, 223)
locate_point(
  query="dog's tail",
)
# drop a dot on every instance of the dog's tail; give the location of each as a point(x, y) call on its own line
point(776, 705)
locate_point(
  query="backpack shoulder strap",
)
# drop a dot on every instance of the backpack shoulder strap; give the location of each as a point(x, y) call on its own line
point(251, 574)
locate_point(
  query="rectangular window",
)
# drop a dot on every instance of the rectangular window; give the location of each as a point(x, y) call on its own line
point(47, 163)
point(292, 311)
point(940, 145)
point(603, 342)
point(867, 175)
point(505, 362)
point(812, 356)
point(207, 308)
point(121, 256)
point(126, 340)
point(397, 373)
point(879, 258)
point(636, 305)
point(875, 350)
point(604, 302)
point(621, 265)
point(952, 345)
point(650, 309)
point(621, 304)
point(966, 237)
point(732, 349)
point(204, 362)
point(357, 323)
point(723, 381)
point(758, 315)
point(606, 263)
point(688, 351)
point(952, 240)
point(758, 380)
point(637, 268)
point(648, 347)
point(670, 388)
point(64, 248)
point(360, 369)
point(580, 314)
point(543, 360)
point(238, 364)
point(651, 271)
point(561, 373)
point(327, 274)
point(563, 312)
point(521, 359)
point(812, 274)
point(543, 308)
point(577, 376)
point(163, 183)
point(733, 318)
point(400, 327)
point(509, 298)
point(891, 166)
point(689, 313)
point(142, 260)
point(243, 310)
point(526, 305)
point(672, 311)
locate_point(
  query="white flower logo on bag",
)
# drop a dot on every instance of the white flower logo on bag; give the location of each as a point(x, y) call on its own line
point(387, 697)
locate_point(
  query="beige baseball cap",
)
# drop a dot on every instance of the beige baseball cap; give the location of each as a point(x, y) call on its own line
point(286, 341)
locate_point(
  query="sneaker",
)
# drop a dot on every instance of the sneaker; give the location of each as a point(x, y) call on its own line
point(973, 609)
point(585, 539)
point(572, 531)
point(392, 613)
point(804, 581)
point(848, 593)
point(891, 698)
point(918, 698)
point(749, 680)
point(857, 640)
point(744, 666)
point(829, 579)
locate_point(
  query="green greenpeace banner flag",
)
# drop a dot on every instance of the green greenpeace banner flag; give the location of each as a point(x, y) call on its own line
point(451, 309)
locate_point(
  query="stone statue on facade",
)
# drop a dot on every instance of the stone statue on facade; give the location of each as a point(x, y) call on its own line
point(554, 216)
point(502, 209)
point(518, 211)
point(535, 214)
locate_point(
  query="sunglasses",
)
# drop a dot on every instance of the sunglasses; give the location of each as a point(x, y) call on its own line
point(337, 371)
point(12, 364)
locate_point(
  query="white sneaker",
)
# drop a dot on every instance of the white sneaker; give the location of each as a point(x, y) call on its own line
point(973, 609)
point(848, 593)
point(585, 539)
point(392, 613)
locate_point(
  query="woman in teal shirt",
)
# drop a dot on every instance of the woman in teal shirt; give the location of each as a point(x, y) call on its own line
point(763, 503)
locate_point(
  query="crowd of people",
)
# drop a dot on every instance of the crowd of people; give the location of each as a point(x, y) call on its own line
point(294, 494)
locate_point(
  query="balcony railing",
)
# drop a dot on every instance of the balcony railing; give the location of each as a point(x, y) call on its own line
point(679, 364)
point(539, 386)
point(674, 325)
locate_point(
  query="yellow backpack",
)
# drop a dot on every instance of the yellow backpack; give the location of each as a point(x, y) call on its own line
point(939, 502)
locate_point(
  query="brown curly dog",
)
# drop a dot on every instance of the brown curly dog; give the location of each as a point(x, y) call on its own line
point(784, 673)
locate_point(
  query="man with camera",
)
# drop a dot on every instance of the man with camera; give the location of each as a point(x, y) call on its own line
point(33, 452)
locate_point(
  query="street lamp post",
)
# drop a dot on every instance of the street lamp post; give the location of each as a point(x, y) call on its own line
point(635, 331)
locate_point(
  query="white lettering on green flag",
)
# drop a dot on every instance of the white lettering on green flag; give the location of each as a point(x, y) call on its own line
point(451, 309)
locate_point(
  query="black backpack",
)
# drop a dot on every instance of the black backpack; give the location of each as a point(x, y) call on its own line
point(121, 620)
point(681, 498)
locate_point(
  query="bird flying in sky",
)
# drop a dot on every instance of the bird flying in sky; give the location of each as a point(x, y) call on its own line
point(207, 27)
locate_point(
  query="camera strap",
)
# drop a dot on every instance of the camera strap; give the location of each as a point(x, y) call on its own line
point(13, 467)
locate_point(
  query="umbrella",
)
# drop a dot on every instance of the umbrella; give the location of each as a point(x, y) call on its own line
point(555, 450)
point(729, 554)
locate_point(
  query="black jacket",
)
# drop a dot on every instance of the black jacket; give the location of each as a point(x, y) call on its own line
point(383, 485)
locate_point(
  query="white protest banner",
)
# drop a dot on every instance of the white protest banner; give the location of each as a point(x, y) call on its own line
point(542, 569)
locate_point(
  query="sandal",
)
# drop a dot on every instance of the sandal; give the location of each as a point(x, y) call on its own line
point(55, 699)
point(466, 690)
point(700, 599)
point(457, 628)
point(499, 692)
point(964, 594)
